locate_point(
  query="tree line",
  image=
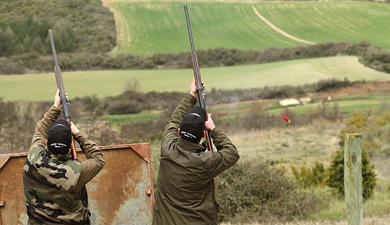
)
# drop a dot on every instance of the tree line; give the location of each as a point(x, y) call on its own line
point(31, 36)
point(369, 55)
point(78, 26)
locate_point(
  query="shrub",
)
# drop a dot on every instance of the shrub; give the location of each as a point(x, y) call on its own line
point(143, 131)
point(9, 67)
point(336, 175)
point(119, 107)
point(325, 111)
point(375, 128)
point(252, 191)
point(256, 118)
point(18, 120)
point(325, 85)
point(354, 124)
point(386, 67)
point(307, 177)
point(101, 132)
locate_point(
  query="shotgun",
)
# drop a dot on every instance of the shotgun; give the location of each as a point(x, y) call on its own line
point(60, 86)
point(198, 79)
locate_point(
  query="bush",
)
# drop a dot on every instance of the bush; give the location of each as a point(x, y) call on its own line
point(9, 67)
point(252, 191)
point(17, 125)
point(119, 107)
point(336, 175)
point(143, 131)
point(327, 112)
point(256, 118)
point(375, 128)
point(307, 177)
point(333, 83)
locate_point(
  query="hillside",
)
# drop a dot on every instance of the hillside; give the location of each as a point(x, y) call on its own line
point(78, 26)
point(155, 27)
point(226, 33)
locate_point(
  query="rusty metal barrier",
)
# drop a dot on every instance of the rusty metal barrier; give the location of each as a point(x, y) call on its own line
point(122, 193)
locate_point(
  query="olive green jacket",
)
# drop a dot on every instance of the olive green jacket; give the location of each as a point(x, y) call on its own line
point(185, 187)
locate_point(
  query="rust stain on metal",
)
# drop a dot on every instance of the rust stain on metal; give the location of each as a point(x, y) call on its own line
point(122, 193)
point(11, 190)
point(123, 173)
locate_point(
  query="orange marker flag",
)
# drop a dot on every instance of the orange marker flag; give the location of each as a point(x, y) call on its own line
point(286, 119)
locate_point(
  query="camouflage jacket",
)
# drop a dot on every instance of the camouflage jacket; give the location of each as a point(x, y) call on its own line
point(54, 184)
point(185, 186)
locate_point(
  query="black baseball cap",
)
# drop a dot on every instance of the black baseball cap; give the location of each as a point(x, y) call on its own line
point(193, 124)
point(59, 138)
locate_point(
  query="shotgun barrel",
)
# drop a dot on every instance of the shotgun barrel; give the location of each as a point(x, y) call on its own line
point(198, 79)
point(60, 86)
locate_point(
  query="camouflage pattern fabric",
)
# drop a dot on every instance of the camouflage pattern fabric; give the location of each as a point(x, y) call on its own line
point(49, 182)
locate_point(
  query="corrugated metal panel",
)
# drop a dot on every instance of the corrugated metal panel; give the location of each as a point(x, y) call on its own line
point(120, 194)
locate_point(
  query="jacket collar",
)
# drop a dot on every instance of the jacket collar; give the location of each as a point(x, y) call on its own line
point(189, 146)
point(60, 157)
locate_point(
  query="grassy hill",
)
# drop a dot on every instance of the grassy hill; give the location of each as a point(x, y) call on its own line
point(113, 82)
point(155, 27)
point(332, 21)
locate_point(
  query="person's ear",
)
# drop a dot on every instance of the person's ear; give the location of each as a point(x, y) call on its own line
point(178, 132)
point(46, 142)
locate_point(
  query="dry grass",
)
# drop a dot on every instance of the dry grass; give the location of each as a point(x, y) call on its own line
point(366, 221)
point(287, 146)
point(290, 145)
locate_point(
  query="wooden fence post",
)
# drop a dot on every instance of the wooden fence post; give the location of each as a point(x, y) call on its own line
point(353, 179)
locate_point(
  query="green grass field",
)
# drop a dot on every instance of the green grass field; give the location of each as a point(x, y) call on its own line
point(160, 27)
point(132, 118)
point(346, 105)
point(112, 82)
point(332, 21)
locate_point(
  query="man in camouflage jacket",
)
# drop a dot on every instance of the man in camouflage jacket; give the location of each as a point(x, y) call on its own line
point(54, 184)
point(185, 192)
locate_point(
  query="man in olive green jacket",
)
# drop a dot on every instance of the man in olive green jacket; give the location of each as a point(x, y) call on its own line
point(54, 184)
point(185, 187)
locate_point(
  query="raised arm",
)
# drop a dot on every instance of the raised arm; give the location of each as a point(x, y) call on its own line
point(43, 126)
point(181, 110)
point(94, 157)
point(226, 155)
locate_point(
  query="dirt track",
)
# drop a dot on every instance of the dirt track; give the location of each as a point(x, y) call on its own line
point(280, 31)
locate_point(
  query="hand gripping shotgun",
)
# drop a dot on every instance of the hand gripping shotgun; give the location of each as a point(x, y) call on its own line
point(198, 80)
point(60, 86)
